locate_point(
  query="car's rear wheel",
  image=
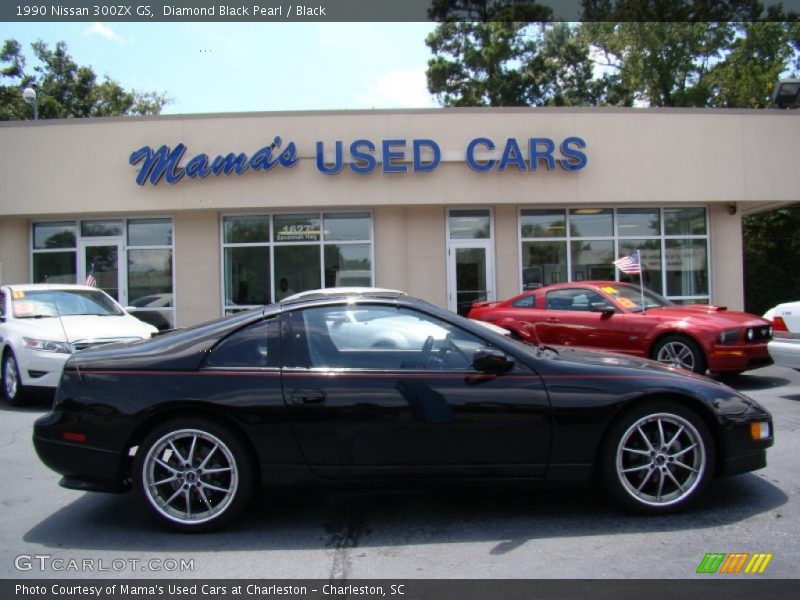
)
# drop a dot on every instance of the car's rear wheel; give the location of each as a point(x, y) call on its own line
point(658, 458)
point(680, 351)
point(194, 474)
point(12, 384)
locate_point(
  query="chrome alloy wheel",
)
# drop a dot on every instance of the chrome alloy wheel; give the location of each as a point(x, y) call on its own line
point(10, 378)
point(660, 459)
point(677, 354)
point(190, 476)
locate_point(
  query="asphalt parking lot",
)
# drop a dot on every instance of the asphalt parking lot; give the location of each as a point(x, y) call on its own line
point(453, 534)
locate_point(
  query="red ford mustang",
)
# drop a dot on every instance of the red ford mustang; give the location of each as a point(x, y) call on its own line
point(610, 315)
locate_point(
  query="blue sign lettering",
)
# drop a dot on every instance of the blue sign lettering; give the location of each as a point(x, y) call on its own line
point(163, 163)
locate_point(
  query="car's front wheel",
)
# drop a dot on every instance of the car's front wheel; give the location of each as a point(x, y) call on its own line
point(12, 384)
point(658, 458)
point(194, 474)
point(680, 351)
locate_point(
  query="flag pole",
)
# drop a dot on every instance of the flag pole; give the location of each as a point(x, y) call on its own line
point(641, 281)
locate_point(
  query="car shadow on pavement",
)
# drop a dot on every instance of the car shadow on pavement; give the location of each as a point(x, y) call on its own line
point(39, 404)
point(316, 520)
point(750, 383)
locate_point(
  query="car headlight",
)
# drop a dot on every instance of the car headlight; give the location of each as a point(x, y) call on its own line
point(729, 336)
point(47, 345)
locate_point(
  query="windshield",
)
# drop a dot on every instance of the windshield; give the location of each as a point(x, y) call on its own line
point(40, 304)
point(630, 297)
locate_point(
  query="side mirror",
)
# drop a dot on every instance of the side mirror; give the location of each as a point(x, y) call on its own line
point(602, 307)
point(491, 360)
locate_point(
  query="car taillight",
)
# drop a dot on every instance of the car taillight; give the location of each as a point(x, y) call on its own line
point(779, 329)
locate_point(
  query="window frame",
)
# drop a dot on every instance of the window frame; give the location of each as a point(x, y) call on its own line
point(616, 238)
point(322, 243)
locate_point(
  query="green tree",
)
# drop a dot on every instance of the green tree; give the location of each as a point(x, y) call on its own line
point(663, 53)
point(771, 248)
point(65, 89)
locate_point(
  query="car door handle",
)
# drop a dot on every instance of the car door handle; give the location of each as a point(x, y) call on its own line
point(308, 397)
point(552, 320)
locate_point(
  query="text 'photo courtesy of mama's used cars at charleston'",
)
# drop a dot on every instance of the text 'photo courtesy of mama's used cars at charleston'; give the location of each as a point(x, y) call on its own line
point(41, 325)
point(376, 387)
point(619, 317)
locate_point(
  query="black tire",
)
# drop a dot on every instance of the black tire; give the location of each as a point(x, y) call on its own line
point(680, 351)
point(203, 496)
point(13, 391)
point(666, 473)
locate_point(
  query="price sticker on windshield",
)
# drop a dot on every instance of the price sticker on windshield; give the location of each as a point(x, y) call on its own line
point(610, 290)
point(626, 303)
point(18, 295)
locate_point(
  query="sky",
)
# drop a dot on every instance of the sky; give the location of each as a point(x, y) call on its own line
point(243, 67)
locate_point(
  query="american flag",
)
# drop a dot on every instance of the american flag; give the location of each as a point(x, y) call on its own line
point(90, 280)
point(629, 265)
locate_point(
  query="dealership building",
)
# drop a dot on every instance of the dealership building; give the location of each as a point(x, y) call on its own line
point(188, 218)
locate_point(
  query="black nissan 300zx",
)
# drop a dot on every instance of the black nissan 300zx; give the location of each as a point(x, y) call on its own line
point(370, 387)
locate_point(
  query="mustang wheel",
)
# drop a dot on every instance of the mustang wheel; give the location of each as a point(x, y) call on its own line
point(658, 458)
point(12, 385)
point(193, 474)
point(681, 352)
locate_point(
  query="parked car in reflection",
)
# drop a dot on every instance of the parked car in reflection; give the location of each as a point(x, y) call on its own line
point(618, 317)
point(194, 419)
point(784, 348)
point(41, 325)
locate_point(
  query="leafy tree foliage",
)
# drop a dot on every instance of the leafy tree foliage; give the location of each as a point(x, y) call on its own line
point(65, 89)
point(771, 269)
point(661, 53)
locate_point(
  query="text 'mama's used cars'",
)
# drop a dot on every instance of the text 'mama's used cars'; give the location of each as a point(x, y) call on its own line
point(192, 420)
point(619, 317)
point(41, 325)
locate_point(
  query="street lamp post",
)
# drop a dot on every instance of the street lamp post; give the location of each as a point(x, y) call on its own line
point(31, 97)
point(786, 93)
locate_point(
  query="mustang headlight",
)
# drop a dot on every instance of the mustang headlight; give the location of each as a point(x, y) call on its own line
point(730, 336)
point(47, 346)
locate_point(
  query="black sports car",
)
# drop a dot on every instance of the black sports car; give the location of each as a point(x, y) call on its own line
point(374, 386)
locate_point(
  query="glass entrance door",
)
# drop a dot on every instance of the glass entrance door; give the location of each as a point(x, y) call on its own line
point(100, 266)
point(470, 269)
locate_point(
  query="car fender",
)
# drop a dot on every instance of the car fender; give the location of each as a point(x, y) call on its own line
point(671, 328)
point(525, 330)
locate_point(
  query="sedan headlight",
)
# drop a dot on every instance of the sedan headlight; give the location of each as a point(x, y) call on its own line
point(730, 336)
point(47, 345)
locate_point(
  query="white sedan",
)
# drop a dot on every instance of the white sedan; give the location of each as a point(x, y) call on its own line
point(41, 325)
point(784, 348)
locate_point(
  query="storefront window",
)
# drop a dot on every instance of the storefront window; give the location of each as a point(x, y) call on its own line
point(584, 242)
point(305, 251)
point(70, 251)
point(543, 263)
point(101, 228)
point(470, 224)
point(48, 236)
point(592, 260)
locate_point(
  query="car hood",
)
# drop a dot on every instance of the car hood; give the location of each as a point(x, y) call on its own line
point(600, 358)
point(718, 315)
point(85, 328)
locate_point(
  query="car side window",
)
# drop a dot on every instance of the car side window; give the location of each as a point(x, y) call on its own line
point(378, 337)
point(526, 302)
point(253, 346)
point(576, 299)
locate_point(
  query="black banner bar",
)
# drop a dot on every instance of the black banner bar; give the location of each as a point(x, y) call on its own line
point(396, 10)
point(730, 588)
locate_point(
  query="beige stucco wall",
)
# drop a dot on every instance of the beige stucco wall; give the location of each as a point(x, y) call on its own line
point(197, 267)
point(727, 272)
point(641, 156)
point(14, 255)
point(79, 168)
